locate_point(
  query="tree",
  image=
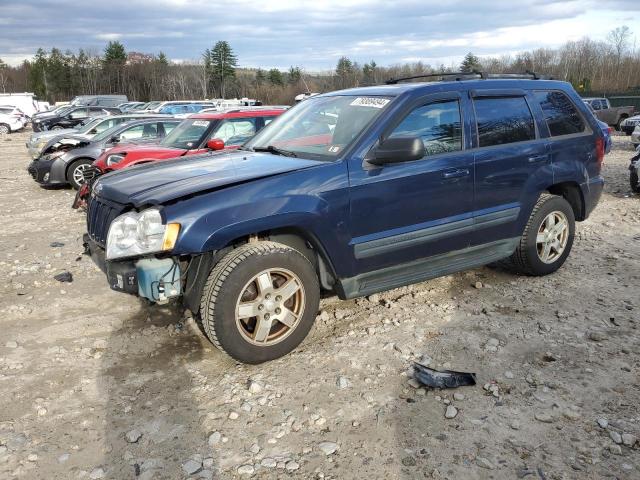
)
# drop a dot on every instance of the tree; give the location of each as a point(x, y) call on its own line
point(345, 73)
point(369, 73)
point(221, 64)
point(295, 74)
point(162, 59)
point(275, 77)
point(115, 54)
point(3, 75)
point(470, 63)
point(619, 39)
point(261, 77)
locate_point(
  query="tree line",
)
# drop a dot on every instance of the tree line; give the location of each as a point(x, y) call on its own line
point(609, 66)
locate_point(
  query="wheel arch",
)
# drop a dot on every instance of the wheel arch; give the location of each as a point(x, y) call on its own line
point(293, 236)
point(573, 194)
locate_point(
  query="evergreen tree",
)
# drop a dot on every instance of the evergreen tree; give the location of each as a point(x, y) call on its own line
point(162, 59)
point(369, 72)
point(115, 54)
point(275, 77)
point(470, 63)
point(37, 80)
point(345, 73)
point(295, 74)
point(220, 65)
point(261, 77)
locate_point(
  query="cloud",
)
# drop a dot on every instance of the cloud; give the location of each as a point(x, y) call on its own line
point(281, 33)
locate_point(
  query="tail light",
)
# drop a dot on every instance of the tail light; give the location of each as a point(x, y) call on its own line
point(610, 130)
point(600, 150)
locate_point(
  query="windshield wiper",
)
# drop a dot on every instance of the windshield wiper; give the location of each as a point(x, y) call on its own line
point(275, 150)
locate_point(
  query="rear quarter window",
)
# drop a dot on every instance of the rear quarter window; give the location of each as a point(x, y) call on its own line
point(560, 114)
point(503, 120)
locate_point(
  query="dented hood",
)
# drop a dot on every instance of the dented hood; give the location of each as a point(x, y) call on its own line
point(157, 183)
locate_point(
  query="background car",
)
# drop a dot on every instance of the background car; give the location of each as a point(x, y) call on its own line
point(63, 162)
point(194, 135)
point(635, 136)
point(72, 117)
point(90, 127)
point(629, 124)
point(10, 121)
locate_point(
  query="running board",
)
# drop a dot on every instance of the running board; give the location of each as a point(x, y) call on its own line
point(427, 268)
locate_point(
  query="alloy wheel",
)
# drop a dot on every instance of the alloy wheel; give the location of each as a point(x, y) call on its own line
point(270, 306)
point(78, 175)
point(552, 237)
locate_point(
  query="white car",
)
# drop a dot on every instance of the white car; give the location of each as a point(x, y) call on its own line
point(635, 136)
point(11, 120)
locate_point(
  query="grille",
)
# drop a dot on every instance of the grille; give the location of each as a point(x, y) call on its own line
point(32, 171)
point(99, 218)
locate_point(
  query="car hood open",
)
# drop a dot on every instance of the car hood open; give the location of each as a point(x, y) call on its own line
point(157, 183)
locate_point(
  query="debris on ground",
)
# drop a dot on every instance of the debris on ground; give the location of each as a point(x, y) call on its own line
point(444, 378)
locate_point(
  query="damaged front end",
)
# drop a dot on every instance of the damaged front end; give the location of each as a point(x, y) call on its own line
point(634, 172)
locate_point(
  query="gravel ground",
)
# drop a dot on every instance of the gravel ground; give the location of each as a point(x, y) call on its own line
point(94, 384)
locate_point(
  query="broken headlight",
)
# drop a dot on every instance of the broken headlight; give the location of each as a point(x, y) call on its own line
point(133, 234)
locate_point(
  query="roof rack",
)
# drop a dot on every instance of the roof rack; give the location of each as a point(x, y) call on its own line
point(469, 75)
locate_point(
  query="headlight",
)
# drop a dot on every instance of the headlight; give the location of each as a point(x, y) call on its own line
point(54, 155)
point(133, 234)
point(114, 159)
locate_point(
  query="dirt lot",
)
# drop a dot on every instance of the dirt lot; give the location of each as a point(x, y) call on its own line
point(93, 384)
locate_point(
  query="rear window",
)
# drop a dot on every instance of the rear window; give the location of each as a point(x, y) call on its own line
point(503, 120)
point(560, 113)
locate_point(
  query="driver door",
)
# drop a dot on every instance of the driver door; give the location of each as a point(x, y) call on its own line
point(402, 212)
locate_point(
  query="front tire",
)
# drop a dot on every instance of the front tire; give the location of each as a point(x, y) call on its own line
point(260, 301)
point(547, 238)
point(4, 129)
point(75, 171)
point(56, 127)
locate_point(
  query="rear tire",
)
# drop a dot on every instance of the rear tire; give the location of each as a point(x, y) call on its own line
point(74, 172)
point(245, 299)
point(56, 127)
point(4, 129)
point(547, 239)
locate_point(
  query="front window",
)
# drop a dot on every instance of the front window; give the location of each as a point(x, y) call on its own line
point(321, 127)
point(438, 125)
point(187, 135)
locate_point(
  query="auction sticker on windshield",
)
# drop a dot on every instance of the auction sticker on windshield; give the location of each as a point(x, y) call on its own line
point(201, 123)
point(374, 102)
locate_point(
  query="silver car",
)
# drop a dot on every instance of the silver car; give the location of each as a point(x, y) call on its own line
point(635, 136)
point(39, 140)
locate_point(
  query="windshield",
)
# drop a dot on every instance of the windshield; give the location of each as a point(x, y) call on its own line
point(321, 127)
point(88, 124)
point(152, 105)
point(187, 135)
point(106, 133)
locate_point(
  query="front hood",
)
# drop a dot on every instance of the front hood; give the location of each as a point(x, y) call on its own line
point(158, 183)
point(65, 142)
point(47, 134)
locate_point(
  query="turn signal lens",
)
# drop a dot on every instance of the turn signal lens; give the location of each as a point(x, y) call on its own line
point(170, 236)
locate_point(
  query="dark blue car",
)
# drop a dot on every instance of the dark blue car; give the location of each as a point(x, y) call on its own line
point(353, 192)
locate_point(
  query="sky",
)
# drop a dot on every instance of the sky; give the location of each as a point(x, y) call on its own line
point(311, 35)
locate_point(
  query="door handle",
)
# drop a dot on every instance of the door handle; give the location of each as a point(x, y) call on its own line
point(460, 172)
point(538, 158)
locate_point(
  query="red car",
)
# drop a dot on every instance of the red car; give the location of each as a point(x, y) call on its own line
point(197, 134)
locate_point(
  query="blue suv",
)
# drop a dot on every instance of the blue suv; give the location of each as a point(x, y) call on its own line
point(353, 192)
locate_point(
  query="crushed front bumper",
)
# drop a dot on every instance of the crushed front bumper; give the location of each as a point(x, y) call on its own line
point(122, 276)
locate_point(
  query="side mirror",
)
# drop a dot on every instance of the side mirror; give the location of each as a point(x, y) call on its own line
point(397, 150)
point(115, 139)
point(215, 144)
point(93, 131)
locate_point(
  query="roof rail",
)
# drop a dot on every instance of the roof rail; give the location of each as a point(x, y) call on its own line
point(473, 74)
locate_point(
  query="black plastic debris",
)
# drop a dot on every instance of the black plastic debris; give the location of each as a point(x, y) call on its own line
point(64, 277)
point(56, 244)
point(442, 379)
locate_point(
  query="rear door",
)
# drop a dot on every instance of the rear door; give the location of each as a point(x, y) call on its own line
point(512, 164)
point(568, 132)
